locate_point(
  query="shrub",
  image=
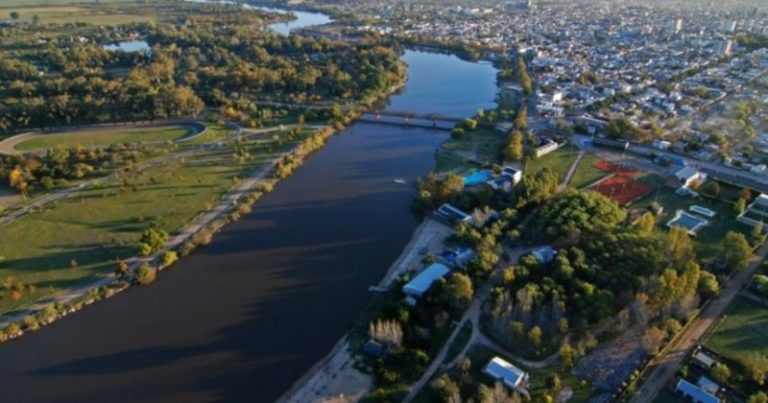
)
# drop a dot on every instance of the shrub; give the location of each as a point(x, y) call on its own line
point(170, 257)
point(146, 274)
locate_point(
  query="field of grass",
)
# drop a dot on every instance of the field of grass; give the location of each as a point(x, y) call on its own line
point(559, 161)
point(585, 173)
point(479, 147)
point(63, 14)
point(744, 330)
point(708, 239)
point(82, 236)
point(105, 137)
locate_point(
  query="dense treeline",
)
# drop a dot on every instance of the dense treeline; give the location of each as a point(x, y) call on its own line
point(60, 165)
point(200, 60)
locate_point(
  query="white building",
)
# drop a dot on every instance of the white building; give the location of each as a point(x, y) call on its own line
point(506, 373)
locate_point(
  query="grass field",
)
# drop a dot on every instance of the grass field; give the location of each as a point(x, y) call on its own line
point(708, 239)
point(479, 147)
point(743, 331)
point(559, 161)
point(105, 137)
point(83, 236)
point(63, 14)
point(585, 173)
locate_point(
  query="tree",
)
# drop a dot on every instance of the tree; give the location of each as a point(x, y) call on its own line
point(740, 206)
point(708, 285)
point(646, 223)
point(737, 251)
point(534, 336)
point(758, 234)
point(14, 15)
point(460, 289)
point(152, 240)
point(457, 133)
point(721, 372)
point(122, 269)
point(514, 149)
point(566, 355)
point(169, 257)
point(470, 124)
point(711, 188)
point(146, 274)
point(497, 394)
point(521, 120)
point(759, 397)
point(446, 390)
point(757, 366)
point(388, 332)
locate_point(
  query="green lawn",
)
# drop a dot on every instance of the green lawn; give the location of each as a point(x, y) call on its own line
point(559, 161)
point(586, 174)
point(479, 147)
point(82, 236)
point(744, 330)
point(105, 137)
point(60, 13)
point(708, 238)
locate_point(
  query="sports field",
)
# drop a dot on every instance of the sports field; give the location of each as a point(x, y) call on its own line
point(105, 137)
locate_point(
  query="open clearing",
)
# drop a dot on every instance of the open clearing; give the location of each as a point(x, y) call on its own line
point(104, 137)
point(82, 236)
point(63, 14)
point(559, 161)
point(480, 146)
point(744, 330)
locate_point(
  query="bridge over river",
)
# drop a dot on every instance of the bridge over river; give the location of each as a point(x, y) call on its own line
point(408, 118)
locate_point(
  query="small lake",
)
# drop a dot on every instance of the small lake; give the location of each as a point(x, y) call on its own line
point(128, 46)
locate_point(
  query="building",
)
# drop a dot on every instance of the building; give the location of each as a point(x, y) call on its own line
point(457, 257)
point(506, 373)
point(688, 176)
point(661, 144)
point(374, 348)
point(693, 393)
point(703, 360)
point(545, 147)
point(508, 178)
point(452, 214)
point(424, 280)
point(544, 254)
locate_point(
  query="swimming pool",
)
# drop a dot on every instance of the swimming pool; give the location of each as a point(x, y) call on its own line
point(477, 177)
point(690, 222)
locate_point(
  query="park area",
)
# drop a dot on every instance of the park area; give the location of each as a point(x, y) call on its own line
point(101, 137)
point(81, 237)
point(474, 149)
point(66, 13)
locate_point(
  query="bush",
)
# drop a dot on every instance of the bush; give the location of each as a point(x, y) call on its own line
point(170, 258)
point(146, 274)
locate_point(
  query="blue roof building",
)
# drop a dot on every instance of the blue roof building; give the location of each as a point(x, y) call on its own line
point(506, 373)
point(457, 257)
point(696, 395)
point(544, 254)
point(423, 281)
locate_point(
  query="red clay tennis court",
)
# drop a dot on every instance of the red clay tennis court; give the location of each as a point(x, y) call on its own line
point(609, 166)
point(622, 189)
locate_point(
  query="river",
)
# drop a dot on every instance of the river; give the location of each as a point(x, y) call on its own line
point(242, 319)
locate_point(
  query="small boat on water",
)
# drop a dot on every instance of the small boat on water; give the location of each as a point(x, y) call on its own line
point(400, 181)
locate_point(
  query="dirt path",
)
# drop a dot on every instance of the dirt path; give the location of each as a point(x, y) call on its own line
point(571, 171)
point(668, 364)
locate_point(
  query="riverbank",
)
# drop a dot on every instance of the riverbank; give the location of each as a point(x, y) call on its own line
point(198, 232)
point(336, 377)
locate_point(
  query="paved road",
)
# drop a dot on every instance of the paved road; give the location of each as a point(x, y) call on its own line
point(671, 361)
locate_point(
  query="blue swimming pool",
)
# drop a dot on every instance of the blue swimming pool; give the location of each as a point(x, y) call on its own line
point(477, 177)
point(692, 223)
